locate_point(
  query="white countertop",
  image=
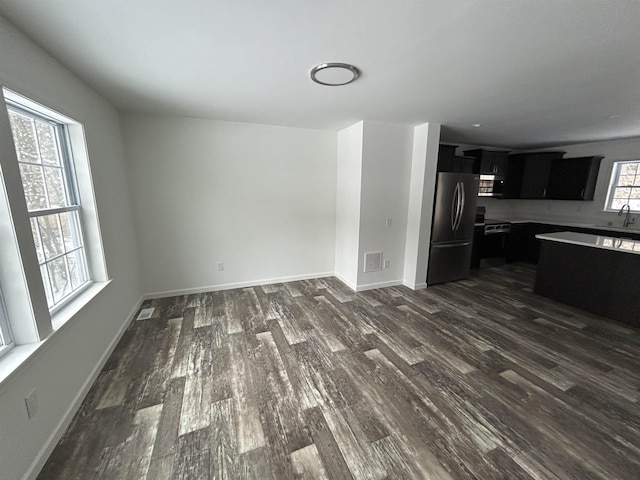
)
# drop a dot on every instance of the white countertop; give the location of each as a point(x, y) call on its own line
point(579, 223)
point(622, 245)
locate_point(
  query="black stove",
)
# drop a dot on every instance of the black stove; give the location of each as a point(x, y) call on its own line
point(494, 227)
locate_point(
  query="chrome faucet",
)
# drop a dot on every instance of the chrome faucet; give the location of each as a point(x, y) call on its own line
point(627, 221)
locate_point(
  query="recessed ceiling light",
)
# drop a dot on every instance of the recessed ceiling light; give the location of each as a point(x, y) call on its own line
point(334, 74)
point(476, 125)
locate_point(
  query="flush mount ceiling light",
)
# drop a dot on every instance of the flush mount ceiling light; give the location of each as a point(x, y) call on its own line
point(334, 74)
point(476, 125)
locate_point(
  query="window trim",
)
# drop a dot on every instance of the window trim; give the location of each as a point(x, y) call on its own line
point(6, 338)
point(72, 199)
point(615, 169)
point(28, 316)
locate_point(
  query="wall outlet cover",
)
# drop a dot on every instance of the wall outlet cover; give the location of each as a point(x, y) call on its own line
point(31, 402)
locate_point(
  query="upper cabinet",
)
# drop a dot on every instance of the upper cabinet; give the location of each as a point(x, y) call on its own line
point(573, 178)
point(488, 162)
point(448, 161)
point(534, 171)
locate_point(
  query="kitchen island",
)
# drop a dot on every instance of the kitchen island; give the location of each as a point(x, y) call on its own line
point(596, 273)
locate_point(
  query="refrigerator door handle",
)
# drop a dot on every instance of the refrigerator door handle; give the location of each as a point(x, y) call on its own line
point(462, 195)
point(453, 245)
point(454, 207)
point(456, 221)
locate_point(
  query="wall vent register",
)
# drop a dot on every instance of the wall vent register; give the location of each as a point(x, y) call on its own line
point(372, 261)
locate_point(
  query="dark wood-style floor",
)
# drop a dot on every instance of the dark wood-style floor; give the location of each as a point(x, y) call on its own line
point(477, 379)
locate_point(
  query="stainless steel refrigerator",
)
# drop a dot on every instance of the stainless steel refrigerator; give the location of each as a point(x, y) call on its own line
point(452, 227)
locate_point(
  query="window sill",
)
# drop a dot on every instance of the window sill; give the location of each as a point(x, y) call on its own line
point(75, 306)
point(17, 359)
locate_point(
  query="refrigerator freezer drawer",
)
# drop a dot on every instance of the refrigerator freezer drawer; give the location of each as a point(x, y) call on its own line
point(449, 262)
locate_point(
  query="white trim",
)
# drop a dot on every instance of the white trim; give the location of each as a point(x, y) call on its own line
point(51, 443)
point(373, 286)
point(352, 286)
point(21, 356)
point(368, 286)
point(230, 286)
point(415, 286)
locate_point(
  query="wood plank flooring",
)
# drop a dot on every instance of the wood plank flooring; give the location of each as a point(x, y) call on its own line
point(477, 379)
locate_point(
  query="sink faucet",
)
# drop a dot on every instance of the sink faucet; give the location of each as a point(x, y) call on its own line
point(627, 221)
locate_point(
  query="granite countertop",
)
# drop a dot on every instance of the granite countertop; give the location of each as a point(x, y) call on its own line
point(596, 241)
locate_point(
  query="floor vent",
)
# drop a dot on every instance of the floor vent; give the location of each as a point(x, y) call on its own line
point(146, 313)
point(372, 261)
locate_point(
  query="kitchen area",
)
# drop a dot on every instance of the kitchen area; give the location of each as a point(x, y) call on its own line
point(532, 205)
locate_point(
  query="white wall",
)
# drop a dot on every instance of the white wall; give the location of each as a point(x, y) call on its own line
point(259, 198)
point(69, 357)
point(424, 166)
point(386, 171)
point(348, 203)
point(587, 212)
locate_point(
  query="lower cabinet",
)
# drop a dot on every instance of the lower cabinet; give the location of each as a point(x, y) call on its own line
point(523, 245)
point(600, 281)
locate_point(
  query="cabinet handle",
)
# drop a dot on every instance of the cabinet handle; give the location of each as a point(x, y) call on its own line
point(582, 193)
point(544, 193)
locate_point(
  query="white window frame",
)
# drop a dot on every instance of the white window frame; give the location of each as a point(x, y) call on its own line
point(613, 184)
point(28, 317)
point(74, 206)
point(6, 339)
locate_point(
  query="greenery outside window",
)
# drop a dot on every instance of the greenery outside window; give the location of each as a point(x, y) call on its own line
point(624, 187)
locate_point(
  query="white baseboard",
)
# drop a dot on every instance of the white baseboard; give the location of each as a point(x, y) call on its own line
point(63, 424)
point(373, 286)
point(415, 286)
point(230, 286)
point(346, 282)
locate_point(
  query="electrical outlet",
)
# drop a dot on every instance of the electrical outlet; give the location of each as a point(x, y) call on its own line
point(388, 222)
point(220, 266)
point(386, 263)
point(31, 402)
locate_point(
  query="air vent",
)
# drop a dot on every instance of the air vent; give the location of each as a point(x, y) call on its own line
point(146, 313)
point(372, 261)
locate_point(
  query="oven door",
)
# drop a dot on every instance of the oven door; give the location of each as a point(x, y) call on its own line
point(494, 245)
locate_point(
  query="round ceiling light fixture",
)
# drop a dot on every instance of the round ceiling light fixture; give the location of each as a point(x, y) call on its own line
point(334, 74)
point(476, 125)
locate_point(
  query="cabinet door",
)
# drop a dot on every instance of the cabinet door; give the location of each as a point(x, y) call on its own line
point(573, 178)
point(535, 177)
point(446, 154)
point(523, 246)
point(512, 178)
point(499, 162)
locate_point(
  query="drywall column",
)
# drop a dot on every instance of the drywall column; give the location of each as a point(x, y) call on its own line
point(426, 138)
point(348, 195)
point(386, 170)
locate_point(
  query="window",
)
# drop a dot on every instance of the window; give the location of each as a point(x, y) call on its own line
point(48, 178)
point(52, 260)
point(624, 188)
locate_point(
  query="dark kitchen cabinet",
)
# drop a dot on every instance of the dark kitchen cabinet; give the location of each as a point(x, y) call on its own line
point(593, 279)
point(445, 157)
point(488, 162)
point(476, 250)
point(535, 172)
point(577, 275)
point(523, 246)
point(448, 161)
point(573, 178)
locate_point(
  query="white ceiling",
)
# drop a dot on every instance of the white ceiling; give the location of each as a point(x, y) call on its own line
point(532, 72)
